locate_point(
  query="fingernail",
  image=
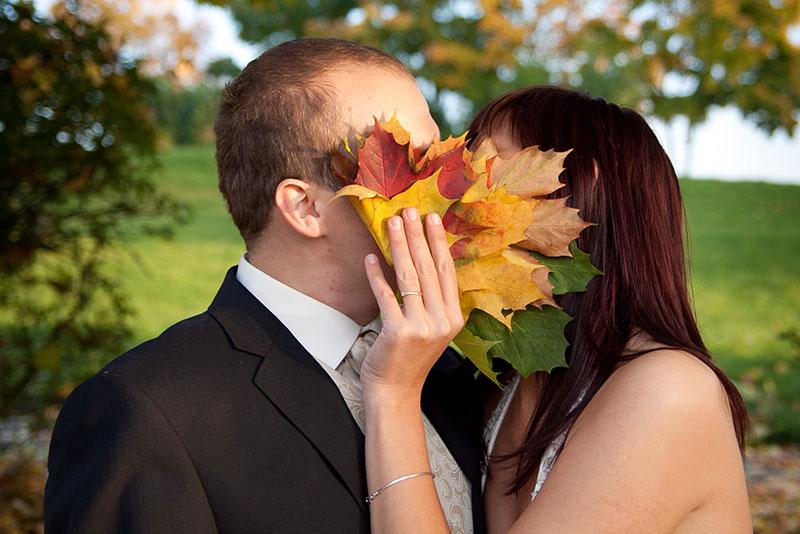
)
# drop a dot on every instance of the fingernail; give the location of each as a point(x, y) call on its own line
point(435, 219)
point(396, 223)
point(411, 213)
point(372, 259)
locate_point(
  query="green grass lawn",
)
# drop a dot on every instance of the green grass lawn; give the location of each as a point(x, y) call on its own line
point(745, 250)
point(745, 266)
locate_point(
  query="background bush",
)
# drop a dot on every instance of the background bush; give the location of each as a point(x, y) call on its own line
point(185, 114)
point(78, 149)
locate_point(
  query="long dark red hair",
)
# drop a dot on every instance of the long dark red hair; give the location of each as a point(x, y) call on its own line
point(620, 178)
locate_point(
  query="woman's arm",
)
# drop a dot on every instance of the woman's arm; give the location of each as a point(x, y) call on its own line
point(395, 446)
point(412, 339)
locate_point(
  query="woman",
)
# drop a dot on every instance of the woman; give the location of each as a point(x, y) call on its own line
point(642, 432)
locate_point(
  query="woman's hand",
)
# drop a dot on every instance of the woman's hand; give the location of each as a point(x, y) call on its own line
point(414, 335)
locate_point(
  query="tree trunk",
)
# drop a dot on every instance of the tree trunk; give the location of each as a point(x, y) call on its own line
point(689, 153)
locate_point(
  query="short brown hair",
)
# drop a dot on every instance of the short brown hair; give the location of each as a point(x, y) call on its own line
point(279, 120)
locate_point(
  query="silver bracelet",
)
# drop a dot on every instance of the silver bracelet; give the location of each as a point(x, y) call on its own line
point(373, 496)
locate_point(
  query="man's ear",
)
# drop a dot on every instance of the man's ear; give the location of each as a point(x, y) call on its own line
point(297, 202)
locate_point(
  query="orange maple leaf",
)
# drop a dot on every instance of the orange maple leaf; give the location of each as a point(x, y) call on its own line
point(553, 228)
point(530, 172)
point(502, 217)
point(503, 282)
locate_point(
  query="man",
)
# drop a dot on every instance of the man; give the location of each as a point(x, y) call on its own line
point(246, 417)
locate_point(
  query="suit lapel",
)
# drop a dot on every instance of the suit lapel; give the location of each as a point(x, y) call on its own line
point(294, 383)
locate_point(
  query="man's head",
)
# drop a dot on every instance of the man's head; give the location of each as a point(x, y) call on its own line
point(278, 124)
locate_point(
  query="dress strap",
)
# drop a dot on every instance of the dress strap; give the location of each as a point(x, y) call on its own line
point(551, 455)
point(492, 428)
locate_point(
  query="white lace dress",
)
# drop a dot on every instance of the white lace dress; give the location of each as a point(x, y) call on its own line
point(492, 428)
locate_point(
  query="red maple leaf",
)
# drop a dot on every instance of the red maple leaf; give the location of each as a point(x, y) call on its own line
point(383, 164)
point(459, 226)
point(459, 249)
point(453, 181)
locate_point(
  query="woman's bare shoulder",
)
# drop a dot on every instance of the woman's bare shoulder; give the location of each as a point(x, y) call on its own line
point(668, 382)
point(675, 414)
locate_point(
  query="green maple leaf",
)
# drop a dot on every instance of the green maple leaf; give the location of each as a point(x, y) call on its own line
point(535, 342)
point(569, 275)
point(477, 350)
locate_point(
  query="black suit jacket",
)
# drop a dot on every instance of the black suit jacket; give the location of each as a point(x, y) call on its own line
point(225, 423)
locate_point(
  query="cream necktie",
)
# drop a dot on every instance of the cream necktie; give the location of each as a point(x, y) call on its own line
point(453, 488)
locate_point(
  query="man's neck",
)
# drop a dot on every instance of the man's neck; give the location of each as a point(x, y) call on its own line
point(316, 280)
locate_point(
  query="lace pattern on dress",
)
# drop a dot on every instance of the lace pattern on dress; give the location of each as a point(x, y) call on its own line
point(496, 418)
point(492, 429)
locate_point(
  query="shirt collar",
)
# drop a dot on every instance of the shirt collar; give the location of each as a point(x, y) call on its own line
point(326, 333)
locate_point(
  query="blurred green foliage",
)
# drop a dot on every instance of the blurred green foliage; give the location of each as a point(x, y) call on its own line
point(461, 53)
point(221, 70)
point(78, 149)
point(185, 114)
point(772, 392)
point(663, 57)
point(673, 58)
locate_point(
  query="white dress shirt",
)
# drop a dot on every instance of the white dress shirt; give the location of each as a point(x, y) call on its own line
point(326, 333)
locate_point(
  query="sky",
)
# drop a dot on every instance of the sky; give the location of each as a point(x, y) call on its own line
point(725, 147)
point(728, 148)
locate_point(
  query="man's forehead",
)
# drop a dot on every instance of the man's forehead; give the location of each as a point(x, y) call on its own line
point(365, 93)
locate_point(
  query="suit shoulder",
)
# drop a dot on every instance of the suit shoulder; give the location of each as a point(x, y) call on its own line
point(192, 352)
point(190, 338)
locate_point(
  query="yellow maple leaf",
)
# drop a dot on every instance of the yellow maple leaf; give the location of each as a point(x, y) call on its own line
point(400, 134)
point(486, 150)
point(501, 281)
point(553, 228)
point(439, 148)
point(358, 191)
point(498, 207)
point(477, 166)
point(375, 209)
point(477, 191)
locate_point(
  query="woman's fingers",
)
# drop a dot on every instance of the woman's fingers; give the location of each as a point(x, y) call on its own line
point(406, 273)
point(390, 310)
point(425, 267)
point(425, 323)
point(445, 269)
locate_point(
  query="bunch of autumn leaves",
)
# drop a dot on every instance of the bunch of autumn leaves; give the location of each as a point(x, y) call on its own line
point(513, 248)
